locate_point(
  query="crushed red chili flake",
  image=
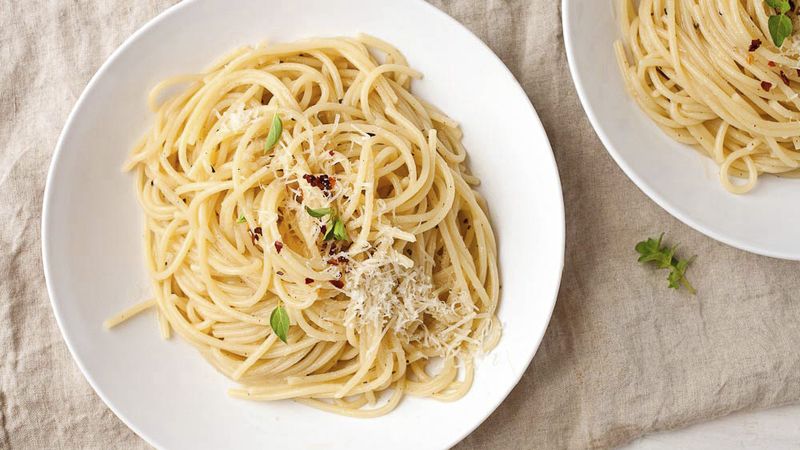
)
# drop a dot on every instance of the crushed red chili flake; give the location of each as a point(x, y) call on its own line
point(278, 246)
point(280, 272)
point(338, 283)
point(330, 152)
point(323, 229)
point(254, 234)
point(337, 261)
point(332, 250)
point(754, 44)
point(771, 63)
point(766, 85)
point(309, 280)
point(325, 180)
point(322, 182)
point(311, 179)
point(784, 78)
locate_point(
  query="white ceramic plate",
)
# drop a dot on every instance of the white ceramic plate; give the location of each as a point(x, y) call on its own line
point(681, 180)
point(164, 390)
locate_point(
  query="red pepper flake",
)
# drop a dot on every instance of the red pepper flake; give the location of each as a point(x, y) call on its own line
point(311, 179)
point(754, 44)
point(309, 280)
point(325, 181)
point(330, 152)
point(255, 234)
point(766, 85)
point(323, 229)
point(337, 283)
point(322, 182)
point(784, 78)
point(280, 272)
point(771, 63)
point(278, 246)
point(332, 250)
point(338, 260)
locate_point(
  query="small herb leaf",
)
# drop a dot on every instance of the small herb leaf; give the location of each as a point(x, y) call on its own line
point(330, 235)
point(339, 231)
point(650, 250)
point(781, 6)
point(241, 219)
point(275, 131)
point(318, 213)
point(279, 321)
point(780, 25)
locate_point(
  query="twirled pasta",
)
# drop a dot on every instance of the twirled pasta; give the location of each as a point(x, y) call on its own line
point(228, 238)
point(708, 73)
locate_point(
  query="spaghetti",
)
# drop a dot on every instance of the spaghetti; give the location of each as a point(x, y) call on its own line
point(242, 177)
point(708, 74)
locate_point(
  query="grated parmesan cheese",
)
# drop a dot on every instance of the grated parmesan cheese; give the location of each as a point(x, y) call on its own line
point(387, 291)
point(237, 117)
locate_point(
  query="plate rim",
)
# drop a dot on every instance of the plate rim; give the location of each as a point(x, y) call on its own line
point(641, 183)
point(58, 151)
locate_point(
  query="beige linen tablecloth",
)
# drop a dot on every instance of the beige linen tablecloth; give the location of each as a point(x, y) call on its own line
point(623, 355)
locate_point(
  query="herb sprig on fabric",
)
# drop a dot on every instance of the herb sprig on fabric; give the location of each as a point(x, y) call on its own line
point(336, 228)
point(651, 251)
point(780, 25)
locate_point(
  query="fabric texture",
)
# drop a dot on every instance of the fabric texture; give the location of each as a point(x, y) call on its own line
point(623, 355)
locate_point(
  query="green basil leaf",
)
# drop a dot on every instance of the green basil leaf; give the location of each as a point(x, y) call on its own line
point(780, 27)
point(781, 6)
point(241, 220)
point(275, 131)
point(318, 213)
point(339, 231)
point(279, 321)
point(330, 235)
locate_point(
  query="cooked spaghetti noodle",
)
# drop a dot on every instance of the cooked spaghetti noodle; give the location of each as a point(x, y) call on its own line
point(707, 72)
point(398, 301)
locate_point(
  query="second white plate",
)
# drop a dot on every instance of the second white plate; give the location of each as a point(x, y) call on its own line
point(681, 180)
